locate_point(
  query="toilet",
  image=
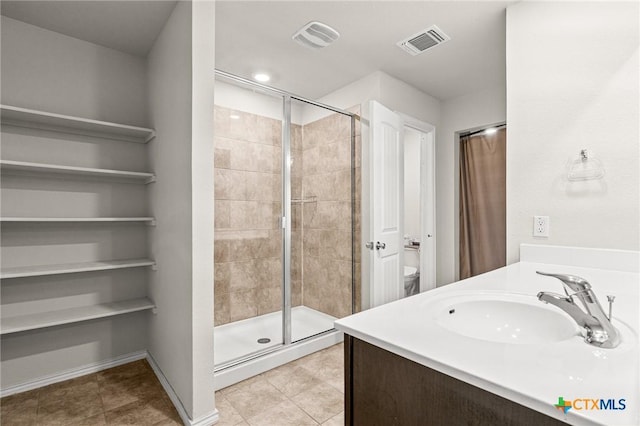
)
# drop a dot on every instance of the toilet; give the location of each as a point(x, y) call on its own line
point(411, 281)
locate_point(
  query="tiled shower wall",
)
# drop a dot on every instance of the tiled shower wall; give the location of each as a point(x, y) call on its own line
point(247, 167)
point(326, 177)
point(248, 193)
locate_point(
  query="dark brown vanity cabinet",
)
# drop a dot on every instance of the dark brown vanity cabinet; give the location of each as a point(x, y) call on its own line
point(382, 388)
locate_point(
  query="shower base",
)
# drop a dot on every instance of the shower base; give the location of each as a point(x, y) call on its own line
point(239, 340)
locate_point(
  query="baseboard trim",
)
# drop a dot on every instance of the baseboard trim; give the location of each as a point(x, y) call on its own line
point(206, 420)
point(74, 373)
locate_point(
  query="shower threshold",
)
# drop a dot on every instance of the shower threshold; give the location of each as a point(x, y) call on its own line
point(236, 340)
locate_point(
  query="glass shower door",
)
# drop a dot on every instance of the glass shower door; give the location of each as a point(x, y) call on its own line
point(247, 233)
point(284, 186)
point(321, 219)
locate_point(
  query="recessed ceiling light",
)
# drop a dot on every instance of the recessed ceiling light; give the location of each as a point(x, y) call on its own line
point(261, 77)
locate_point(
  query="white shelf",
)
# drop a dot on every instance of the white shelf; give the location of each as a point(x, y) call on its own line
point(71, 268)
point(6, 219)
point(23, 117)
point(18, 323)
point(26, 167)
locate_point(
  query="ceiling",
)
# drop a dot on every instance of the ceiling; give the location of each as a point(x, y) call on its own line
point(127, 26)
point(256, 35)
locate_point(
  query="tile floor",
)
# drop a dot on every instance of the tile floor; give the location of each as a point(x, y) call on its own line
point(308, 391)
point(126, 395)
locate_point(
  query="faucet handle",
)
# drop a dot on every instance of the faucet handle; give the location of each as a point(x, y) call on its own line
point(575, 283)
point(610, 299)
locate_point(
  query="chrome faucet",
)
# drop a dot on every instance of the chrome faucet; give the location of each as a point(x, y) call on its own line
point(600, 331)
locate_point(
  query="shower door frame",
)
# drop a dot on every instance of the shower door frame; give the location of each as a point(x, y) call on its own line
point(285, 219)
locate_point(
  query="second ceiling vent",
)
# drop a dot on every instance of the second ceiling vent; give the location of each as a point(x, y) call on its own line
point(423, 40)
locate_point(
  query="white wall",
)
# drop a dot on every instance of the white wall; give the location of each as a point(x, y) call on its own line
point(181, 334)
point(49, 71)
point(202, 105)
point(389, 91)
point(572, 83)
point(355, 93)
point(401, 97)
point(466, 112)
point(170, 198)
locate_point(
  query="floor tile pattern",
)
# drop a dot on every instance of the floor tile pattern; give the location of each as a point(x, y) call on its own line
point(129, 394)
point(309, 391)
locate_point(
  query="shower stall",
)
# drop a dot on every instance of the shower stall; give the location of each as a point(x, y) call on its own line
point(284, 226)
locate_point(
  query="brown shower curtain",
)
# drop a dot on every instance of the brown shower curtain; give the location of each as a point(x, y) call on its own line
point(482, 202)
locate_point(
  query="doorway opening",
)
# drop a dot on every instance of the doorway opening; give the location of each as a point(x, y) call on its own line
point(383, 206)
point(419, 206)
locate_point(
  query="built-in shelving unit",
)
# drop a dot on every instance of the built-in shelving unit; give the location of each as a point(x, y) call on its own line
point(33, 119)
point(12, 117)
point(54, 169)
point(18, 323)
point(8, 219)
point(71, 268)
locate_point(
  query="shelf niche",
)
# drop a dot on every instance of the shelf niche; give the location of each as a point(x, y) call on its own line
point(41, 120)
point(14, 219)
point(72, 268)
point(40, 320)
point(23, 167)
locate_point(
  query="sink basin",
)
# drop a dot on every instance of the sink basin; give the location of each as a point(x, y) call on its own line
point(516, 319)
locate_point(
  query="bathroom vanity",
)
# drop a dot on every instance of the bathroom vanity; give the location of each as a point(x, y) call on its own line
point(486, 351)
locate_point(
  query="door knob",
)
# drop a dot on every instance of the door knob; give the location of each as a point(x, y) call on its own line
point(369, 245)
point(380, 245)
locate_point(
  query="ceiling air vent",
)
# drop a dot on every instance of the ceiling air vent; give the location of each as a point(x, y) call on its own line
point(316, 35)
point(425, 39)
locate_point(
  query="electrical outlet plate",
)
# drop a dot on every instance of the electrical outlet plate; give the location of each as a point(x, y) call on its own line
point(541, 226)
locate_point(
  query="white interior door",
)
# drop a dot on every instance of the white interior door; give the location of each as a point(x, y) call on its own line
point(386, 204)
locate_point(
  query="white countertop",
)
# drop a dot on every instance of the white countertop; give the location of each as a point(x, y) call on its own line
point(533, 375)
